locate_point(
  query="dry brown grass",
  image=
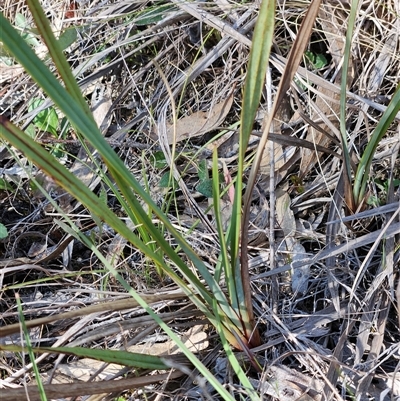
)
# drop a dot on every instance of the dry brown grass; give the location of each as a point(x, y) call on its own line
point(338, 336)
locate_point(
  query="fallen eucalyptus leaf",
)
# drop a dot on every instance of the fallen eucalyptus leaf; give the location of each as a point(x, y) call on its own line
point(200, 122)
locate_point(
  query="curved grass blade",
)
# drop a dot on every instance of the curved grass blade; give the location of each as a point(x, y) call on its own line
point(56, 53)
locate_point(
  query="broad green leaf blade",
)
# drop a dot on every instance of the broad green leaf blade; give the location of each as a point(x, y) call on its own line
point(295, 57)
point(258, 61)
point(205, 188)
point(26, 31)
point(154, 15)
point(68, 37)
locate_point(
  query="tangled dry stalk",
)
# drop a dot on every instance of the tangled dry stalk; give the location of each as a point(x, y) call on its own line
point(325, 281)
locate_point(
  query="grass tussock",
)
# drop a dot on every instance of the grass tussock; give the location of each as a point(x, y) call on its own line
point(164, 81)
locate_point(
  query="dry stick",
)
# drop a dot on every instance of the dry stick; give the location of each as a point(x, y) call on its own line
point(118, 305)
point(294, 59)
point(55, 391)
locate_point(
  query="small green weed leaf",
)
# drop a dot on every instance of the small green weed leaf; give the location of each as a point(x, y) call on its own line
point(58, 151)
point(4, 56)
point(30, 39)
point(67, 37)
point(205, 188)
point(153, 16)
point(167, 181)
point(4, 185)
point(30, 131)
point(203, 171)
point(22, 23)
point(320, 61)
point(374, 201)
point(103, 195)
point(317, 60)
point(159, 160)
point(3, 231)
point(46, 120)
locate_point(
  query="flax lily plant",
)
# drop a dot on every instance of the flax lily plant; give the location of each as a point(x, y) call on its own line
point(227, 309)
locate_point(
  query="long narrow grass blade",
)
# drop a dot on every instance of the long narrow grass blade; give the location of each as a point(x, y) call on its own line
point(259, 55)
point(295, 56)
point(71, 85)
point(258, 61)
point(56, 53)
point(125, 358)
point(232, 280)
point(343, 103)
point(29, 349)
point(362, 174)
point(82, 193)
point(226, 262)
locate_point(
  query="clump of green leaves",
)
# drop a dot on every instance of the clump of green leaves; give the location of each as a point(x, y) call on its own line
point(228, 310)
point(205, 185)
point(316, 60)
